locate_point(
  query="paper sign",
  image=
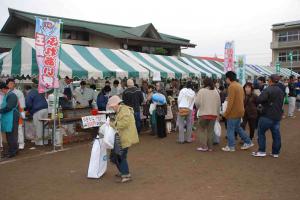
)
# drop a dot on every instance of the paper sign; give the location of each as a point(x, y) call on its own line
point(93, 121)
point(156, 76)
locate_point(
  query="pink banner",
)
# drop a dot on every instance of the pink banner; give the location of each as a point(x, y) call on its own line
point(229, 57)
point(47, 43)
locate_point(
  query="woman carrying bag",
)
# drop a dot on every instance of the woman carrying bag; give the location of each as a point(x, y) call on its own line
point(124, 124)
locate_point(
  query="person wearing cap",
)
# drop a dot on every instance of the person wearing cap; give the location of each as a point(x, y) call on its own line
point(133, 97)
point(10, 119)
point(271, 100)
point(11, 84)
point(124, 124)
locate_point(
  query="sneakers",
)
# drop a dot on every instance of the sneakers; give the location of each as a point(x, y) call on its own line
point(259, 154)
point(228, 149)
point(247, 146)
point(274, 155)
point(125, 179)
point(202, 149)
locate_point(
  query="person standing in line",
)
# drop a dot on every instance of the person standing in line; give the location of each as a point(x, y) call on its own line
point(186, 101)
point(133, 97)
point(1, 100)
point(208, 103)
point(298, 94)
point(37, 106)
point(292, 96)
point(161, 110)
point(234, 112)
point(11, 84)
point(250, 116)
point(116, 89)
point(272, 102)
point(10, 119)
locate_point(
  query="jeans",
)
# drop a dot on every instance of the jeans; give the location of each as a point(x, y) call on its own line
point(292, 106)
point(252, 125)
point(234, 125)
point(182, 122)
point(138, 121)
point(122, 165)
point(263, 125)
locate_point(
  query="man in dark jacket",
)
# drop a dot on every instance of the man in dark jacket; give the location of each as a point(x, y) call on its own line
point(133, 97)
point(292, 96)
point(9, 119)
point(37, 106)
point(272, 101)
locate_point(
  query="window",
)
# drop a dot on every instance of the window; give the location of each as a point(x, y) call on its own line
point(282, 37)
point(282, 56)
point(75, 35)
point(289, 36)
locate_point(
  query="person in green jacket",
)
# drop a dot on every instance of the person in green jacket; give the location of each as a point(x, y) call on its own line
point(125, 126)
point(9, 119)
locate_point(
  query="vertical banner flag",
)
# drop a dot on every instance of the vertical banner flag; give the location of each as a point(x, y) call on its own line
point(47, 43)
point(229, 57)
point(240, 68)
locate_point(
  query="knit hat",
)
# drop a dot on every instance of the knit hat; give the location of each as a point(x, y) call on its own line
point(130, 83)
point(114, 100)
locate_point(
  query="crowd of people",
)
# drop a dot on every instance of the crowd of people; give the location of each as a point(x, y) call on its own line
point(167, 108)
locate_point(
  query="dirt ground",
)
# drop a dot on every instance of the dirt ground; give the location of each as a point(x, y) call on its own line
point(161, 169)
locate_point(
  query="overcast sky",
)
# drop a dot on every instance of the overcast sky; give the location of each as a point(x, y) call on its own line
point(207, 23)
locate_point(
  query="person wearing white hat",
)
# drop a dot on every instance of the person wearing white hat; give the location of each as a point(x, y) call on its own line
point(124, 124)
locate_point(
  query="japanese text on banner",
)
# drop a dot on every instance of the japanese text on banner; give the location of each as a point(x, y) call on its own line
point(229, 57)
point(47, 42)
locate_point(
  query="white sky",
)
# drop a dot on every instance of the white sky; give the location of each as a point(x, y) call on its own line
point(207, 23)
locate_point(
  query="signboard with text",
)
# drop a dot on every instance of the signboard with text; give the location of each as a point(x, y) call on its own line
point(229, 57)
point(47, 43)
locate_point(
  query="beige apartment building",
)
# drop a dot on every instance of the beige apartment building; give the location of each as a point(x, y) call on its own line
point(285, 45)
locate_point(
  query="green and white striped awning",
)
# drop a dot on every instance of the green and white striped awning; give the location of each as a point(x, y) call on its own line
point(201, 65)
point(167, 66)
point(75, 61)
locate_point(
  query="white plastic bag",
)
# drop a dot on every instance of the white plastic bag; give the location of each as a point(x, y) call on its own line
point(152, 108)
point(217, 129)
point(98, 160)
point(109, 134)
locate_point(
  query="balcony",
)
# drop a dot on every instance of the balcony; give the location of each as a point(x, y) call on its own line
point(284, 45)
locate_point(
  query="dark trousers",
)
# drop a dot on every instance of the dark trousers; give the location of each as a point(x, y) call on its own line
point(138, 121)
point(12, 138)
point(265, 124)
point(161, 126)
point(122, 165)
point(252, 125)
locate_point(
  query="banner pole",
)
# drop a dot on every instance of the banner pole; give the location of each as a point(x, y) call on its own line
point(56, 91)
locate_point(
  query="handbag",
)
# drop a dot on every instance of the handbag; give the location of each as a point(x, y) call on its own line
point(183, 112)
point(161, 110)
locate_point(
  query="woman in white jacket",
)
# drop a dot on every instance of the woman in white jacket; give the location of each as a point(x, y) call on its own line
point(186, 101)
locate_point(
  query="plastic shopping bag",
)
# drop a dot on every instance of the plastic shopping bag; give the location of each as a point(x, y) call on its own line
point(109, 134)
point(217, 131)
point(98, 160)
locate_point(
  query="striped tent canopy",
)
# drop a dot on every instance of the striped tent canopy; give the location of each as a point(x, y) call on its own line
point(75, 61)
point(199, 64)
point(167, 66)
